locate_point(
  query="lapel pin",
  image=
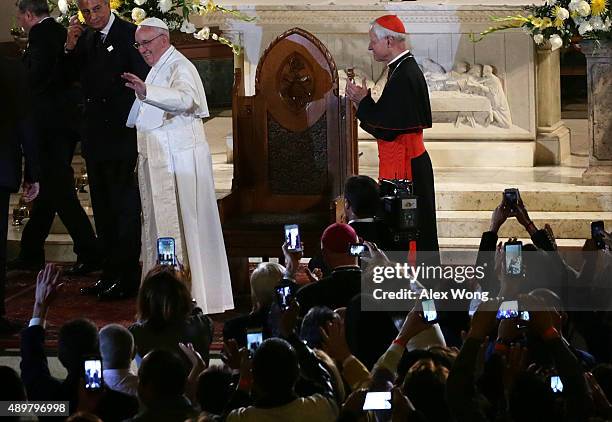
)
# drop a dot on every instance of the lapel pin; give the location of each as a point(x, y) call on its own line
point(110, 48)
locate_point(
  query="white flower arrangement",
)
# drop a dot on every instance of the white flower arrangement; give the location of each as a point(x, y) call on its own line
point(561, 22)
point(138, 15)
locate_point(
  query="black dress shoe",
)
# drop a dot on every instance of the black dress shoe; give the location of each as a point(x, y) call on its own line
point(98, 287)
point(20, 264)
point(9, 327)
point(117, 291)
point(81, 268)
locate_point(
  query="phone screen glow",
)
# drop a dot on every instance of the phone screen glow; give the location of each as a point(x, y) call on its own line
point(377, 400)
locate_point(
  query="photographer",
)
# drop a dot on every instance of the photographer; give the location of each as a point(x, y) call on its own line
point(361, 204)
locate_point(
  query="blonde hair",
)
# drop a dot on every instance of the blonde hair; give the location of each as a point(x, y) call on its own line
point(264, 279)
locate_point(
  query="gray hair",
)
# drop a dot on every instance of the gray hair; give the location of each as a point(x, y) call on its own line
point(264, 279)
point(116, 346)
point(382, 32)
point(36, 7)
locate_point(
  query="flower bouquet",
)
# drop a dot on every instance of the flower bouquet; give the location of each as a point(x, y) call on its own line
point(560, 22)
point(175, 13)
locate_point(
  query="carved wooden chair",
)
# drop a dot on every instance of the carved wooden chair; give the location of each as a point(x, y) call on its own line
point(292, 149)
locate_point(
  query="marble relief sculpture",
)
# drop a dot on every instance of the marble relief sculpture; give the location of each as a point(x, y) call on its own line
point(467, 94)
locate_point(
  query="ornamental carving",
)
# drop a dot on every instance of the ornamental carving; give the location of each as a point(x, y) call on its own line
point(296, 82)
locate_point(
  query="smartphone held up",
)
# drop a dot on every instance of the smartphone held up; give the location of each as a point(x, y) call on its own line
point(166, 251)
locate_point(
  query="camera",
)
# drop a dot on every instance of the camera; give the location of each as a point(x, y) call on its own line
point(292, 237)
point(254, 339)
point(556, 385)
point(92, 370)
point(399, 211)
point(597, 234)
point(377, 400)
point(430, 315)
point(357, 249)
point(166, 251)
point(508, 309)
point(514, 258)
point(283, 295)
point(511, 197)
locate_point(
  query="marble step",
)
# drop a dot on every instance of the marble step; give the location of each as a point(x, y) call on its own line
point(565, 225)
point(453, 198)
point(555, 199)
point(459, 197)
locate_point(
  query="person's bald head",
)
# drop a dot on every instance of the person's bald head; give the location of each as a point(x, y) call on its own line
point(152, 42)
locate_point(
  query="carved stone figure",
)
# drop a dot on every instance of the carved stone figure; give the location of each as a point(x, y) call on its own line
point(495, 93)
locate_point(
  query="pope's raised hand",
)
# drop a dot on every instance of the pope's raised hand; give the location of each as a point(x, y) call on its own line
point(135, 83)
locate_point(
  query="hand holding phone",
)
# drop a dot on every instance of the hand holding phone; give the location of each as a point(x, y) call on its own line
point(508, 309)
point(166, 251)
point(377, 400)
point(358, 249)
point(92, 369)
point(511, 198)
point(254, 339)
point(556, 385)
point(430, 315)
point(283, 295)
point(292, 237)
point(597, 234)
point(514, 258)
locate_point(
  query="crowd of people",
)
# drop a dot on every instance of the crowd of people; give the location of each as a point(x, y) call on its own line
point(321, 355)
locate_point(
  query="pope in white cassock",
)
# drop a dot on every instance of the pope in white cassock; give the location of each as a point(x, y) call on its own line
point(175, 168)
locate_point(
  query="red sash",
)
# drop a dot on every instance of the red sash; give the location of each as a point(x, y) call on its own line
point(394, 158)
point(394, 162)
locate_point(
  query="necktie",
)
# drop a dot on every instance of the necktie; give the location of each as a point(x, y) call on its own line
point(98, 40)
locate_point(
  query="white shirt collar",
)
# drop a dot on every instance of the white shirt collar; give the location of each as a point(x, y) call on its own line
point(399, 56)
point(44, 19)
point(104, 31)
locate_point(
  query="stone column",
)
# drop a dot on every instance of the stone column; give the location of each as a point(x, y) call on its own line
point(599, 83)
point(553, 138)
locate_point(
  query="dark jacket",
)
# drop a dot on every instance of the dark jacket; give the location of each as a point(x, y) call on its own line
point(196, 329)
point(334, 291)
point(107, 100)
point(53, 106)
point(41, 386)
point(17, 135)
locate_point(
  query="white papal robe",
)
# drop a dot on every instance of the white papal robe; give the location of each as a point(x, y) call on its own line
point(176, 179)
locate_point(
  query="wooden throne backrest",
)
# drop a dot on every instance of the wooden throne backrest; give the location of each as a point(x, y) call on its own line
point(290, 143)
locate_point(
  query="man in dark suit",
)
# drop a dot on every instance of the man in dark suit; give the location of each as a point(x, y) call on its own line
point(53, 110)
point(344, 282)
point(102, 52)
point(16, 137)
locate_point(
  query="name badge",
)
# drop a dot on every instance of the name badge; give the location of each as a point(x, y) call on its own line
point(110, 48)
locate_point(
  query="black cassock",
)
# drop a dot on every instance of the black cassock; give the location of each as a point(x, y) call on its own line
point(397, 121)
